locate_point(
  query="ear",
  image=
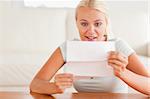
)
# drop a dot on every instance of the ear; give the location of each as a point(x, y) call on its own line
point(104, 38)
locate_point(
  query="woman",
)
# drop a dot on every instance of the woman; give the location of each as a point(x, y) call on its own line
point(92, 22)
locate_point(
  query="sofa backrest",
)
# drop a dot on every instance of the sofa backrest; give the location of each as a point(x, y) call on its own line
point(28, 36)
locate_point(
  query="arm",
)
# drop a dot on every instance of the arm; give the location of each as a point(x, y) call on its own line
point(131, 71)
point(138, 82)
point(137, 76)
point(40, 83)
point(136, 66)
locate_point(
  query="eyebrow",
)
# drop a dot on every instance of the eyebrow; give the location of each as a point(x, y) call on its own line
point(98, 20)
point(94, 21)
point(83, 20)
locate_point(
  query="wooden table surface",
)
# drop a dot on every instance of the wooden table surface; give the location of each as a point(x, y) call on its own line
point(20, 95)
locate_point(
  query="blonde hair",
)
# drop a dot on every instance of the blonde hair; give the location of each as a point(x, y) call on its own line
point(97, 5)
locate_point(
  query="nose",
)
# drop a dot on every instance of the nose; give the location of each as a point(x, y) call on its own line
point(91, 31)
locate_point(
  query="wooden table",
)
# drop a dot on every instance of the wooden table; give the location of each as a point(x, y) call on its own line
point(20, 95)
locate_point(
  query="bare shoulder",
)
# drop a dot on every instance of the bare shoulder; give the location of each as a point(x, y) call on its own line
point(52, 65)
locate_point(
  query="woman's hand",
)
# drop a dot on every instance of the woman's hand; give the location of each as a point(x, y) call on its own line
point(64, 80)
point(118, 61)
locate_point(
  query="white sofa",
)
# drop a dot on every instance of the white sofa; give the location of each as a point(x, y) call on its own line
point(34, 33)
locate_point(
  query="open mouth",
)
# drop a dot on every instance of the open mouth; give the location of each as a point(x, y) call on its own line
point(91, 38)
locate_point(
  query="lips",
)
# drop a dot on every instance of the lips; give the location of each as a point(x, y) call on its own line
point(91, 38)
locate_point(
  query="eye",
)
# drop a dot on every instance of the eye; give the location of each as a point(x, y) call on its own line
point(98, 24)
point(84, 24)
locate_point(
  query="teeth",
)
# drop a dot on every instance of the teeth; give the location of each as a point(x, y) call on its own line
point(90, 38)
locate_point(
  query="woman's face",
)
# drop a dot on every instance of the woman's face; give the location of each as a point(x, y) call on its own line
point(91, 24)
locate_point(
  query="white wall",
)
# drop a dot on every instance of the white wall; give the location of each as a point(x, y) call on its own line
point(130, 22)
point(29, 30)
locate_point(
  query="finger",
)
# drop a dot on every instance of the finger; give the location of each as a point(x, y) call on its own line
point(64, 87)
point(67, 74)
point(114, 55)
point(111, 52)
point(64, 84)
point(63, 80)
point(64, 75)
point(119, 57)
point(61, 77)
point(116, 62)
point(116, 68)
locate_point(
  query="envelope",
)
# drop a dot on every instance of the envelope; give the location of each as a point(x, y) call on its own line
point(92, 69)
point(86, 58)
